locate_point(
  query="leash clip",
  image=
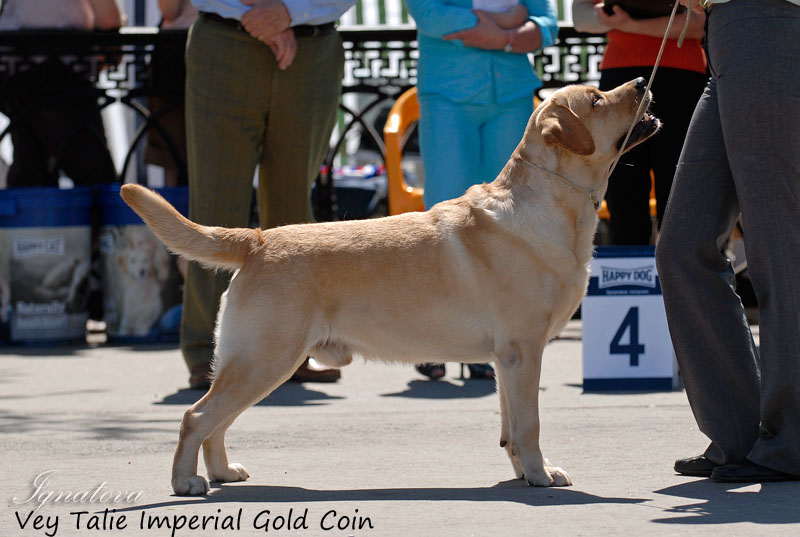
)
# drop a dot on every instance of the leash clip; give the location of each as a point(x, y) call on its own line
point(595, 201)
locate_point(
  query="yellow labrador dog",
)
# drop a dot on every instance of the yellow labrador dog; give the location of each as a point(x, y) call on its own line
point(490, 276)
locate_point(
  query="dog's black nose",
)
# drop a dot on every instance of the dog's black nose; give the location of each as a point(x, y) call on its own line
point(640, 83)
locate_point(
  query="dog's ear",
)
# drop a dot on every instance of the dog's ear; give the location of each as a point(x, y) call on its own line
point(560, 126)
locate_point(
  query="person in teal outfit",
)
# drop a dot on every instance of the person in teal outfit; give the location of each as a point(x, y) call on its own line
point(475, 85)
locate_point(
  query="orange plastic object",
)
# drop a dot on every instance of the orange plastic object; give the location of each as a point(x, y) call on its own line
point(652, 195)
point(404, 112)
point(602, 212)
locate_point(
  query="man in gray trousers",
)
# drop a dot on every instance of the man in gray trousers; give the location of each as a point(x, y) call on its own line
point(741, 156)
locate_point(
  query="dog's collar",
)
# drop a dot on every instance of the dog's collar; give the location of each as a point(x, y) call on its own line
point(588, 192)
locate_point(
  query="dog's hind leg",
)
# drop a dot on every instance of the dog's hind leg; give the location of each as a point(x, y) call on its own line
point(233, 391)
point(519, 376)
point(216, 457)
point(214, 452)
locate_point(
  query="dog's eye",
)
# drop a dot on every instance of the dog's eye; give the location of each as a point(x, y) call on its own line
point(595, 98)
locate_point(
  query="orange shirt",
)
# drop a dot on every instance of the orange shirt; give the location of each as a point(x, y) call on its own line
point(635, 50)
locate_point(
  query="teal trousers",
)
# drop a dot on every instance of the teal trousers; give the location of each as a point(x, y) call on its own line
point(465, 144)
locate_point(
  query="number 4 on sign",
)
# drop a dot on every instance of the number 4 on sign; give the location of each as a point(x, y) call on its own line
point(633, 348)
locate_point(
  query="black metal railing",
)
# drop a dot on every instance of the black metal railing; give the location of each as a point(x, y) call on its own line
point(380, 63)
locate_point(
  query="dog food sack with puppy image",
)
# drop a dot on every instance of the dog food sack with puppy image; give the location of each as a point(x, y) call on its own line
point(45, 238)
point(142, 282)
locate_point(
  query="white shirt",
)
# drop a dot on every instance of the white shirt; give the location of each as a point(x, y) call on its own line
point(301, 11)
point(495, 6)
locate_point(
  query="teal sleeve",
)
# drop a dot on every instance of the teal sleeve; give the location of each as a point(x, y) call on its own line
point(436, 19)
point(543, 14)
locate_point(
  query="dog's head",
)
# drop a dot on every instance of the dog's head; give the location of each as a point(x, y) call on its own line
point(591, 124)
point(136, 264)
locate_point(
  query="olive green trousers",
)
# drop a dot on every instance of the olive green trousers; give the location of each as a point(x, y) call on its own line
point(242, 111)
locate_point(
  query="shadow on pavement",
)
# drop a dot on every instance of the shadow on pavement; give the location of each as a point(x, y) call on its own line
point(726, 503)
point(289, 394)
point(93, 426)
point(43, 350)
point(47, 349)
point(515, 491)
point(49, 394)
point(442, 389)
point(612, 393)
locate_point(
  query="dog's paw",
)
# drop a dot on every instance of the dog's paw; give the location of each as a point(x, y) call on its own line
point(549, 476)
point(559, 476)
point(192, 485)
point(234, 472)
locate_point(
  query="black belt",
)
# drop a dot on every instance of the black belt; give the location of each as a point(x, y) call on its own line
point(301, 30)
point(313, 30)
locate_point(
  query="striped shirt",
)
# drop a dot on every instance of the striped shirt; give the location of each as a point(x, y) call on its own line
point(301, 11)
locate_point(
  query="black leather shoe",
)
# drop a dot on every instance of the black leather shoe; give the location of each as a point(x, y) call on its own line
point(749, 472)
point(698, 466)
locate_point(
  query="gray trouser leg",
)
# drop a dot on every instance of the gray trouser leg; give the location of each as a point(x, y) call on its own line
point(712, 341)
point(742, 153)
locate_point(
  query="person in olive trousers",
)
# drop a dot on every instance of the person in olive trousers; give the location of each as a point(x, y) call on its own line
point(263, 80)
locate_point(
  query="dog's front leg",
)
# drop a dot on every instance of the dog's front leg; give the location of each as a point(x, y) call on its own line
point(506, 426)
point(520, 366)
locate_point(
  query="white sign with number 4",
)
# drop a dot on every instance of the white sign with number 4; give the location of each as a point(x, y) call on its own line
point(626, 343)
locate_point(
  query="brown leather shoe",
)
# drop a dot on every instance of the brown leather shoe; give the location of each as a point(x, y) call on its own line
point(306, 373)
point(200, 377)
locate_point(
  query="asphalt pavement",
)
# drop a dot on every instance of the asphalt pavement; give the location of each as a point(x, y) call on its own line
point(87, 435)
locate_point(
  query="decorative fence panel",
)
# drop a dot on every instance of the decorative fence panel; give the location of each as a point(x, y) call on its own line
point(380, 64)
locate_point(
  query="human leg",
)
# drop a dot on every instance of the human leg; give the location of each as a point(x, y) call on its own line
point(628, 192)
point(302, 112)
point(501, 134)
point(709, 332)
point(450, 146)
point(60, 131)
point(759, 100)
point(675, 94)
point(29, 165)
point(627, 198)
point(83, 153)
point(225, 110)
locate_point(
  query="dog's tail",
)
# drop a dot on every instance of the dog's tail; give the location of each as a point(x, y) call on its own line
point(214, 247)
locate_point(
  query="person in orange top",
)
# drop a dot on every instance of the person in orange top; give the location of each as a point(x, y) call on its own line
point(631, 51)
